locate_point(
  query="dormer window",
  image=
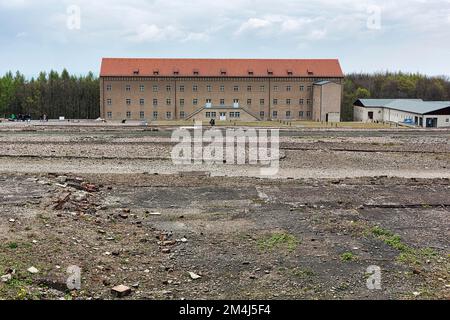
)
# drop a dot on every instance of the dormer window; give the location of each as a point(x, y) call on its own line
point(196, 72)
point(156, 72)
point(310, 72)
point(250, 72)
point(223, 72)
point(290, 72)
point(176, 72)
point(136, 71)
point(270, 72)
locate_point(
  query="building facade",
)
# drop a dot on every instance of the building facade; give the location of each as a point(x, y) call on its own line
point(415, 112)
point(223, 89)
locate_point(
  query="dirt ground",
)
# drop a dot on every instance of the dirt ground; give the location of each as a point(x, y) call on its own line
point(110, 201)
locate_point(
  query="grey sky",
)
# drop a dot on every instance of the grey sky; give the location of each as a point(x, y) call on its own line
point(367, 36)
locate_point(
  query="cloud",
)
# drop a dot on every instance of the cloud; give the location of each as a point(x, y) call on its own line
point(237, 28)
point(253, 24)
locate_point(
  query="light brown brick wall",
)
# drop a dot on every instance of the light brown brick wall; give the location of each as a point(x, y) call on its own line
point(118, 95)
point(327, 100)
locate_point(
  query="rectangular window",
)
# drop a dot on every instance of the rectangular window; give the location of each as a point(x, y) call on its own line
point(141, 102)
point(235, 114)
point(128, 102)
point(302, 101)
point(222, 88)
point(261, 102)
point(155, 102)
point(249, 88)
point(168, 115)
point(168, 88)
point(128, 87)
point(168, 102)
point(275, 102)
point(182, 88)
point(155, 88)
point(128, 114)
point(274, 114)
point(309, 88)
point(213, 114)
point(155, 115)
point(235, 100)
point(141, 88)
point(249, 102)
point(262, 88)
point(109, 115)
point(288, 88)
point(208, 114)
point(308, 102)
point(275, 88)
point(195, 102)
point(308, 113)
point(194, 88)
point(181, 102)
point(209, 88)
point(108, 102)
point(142, 114)
point(302, 88)
point(222, 102)
point(300, 114)
point(182, 114)
point(261, 114)
point(208, 101)
point(236, 88)
point(108, 87)
point(288, 102)
point(288, 114)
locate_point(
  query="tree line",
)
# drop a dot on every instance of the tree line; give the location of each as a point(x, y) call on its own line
point(77, 97)
point(392, 86)
point(53, 94)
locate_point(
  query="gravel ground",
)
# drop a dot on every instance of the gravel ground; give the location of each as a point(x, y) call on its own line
point(111, 202)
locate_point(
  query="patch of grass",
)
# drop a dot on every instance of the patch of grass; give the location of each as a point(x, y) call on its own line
point(279, 240)
point(408, 255)
point(302, 273)
point(348, 256)
point(13, 245)
point(391, 239)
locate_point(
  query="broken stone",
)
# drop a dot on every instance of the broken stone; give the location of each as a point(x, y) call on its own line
point(6, 277)
point(165, 250)
point(168, 243)
point(194, 276)
point(121, 291)
point(33, 270)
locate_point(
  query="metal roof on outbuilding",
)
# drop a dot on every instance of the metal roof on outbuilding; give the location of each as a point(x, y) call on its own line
point(409, 105)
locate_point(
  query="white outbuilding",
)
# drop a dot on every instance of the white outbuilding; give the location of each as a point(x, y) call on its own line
point(416, 112)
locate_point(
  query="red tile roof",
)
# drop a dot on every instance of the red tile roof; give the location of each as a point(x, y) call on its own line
point(217, 67)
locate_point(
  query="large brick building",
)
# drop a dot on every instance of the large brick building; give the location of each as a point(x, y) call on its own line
point(224, 89)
